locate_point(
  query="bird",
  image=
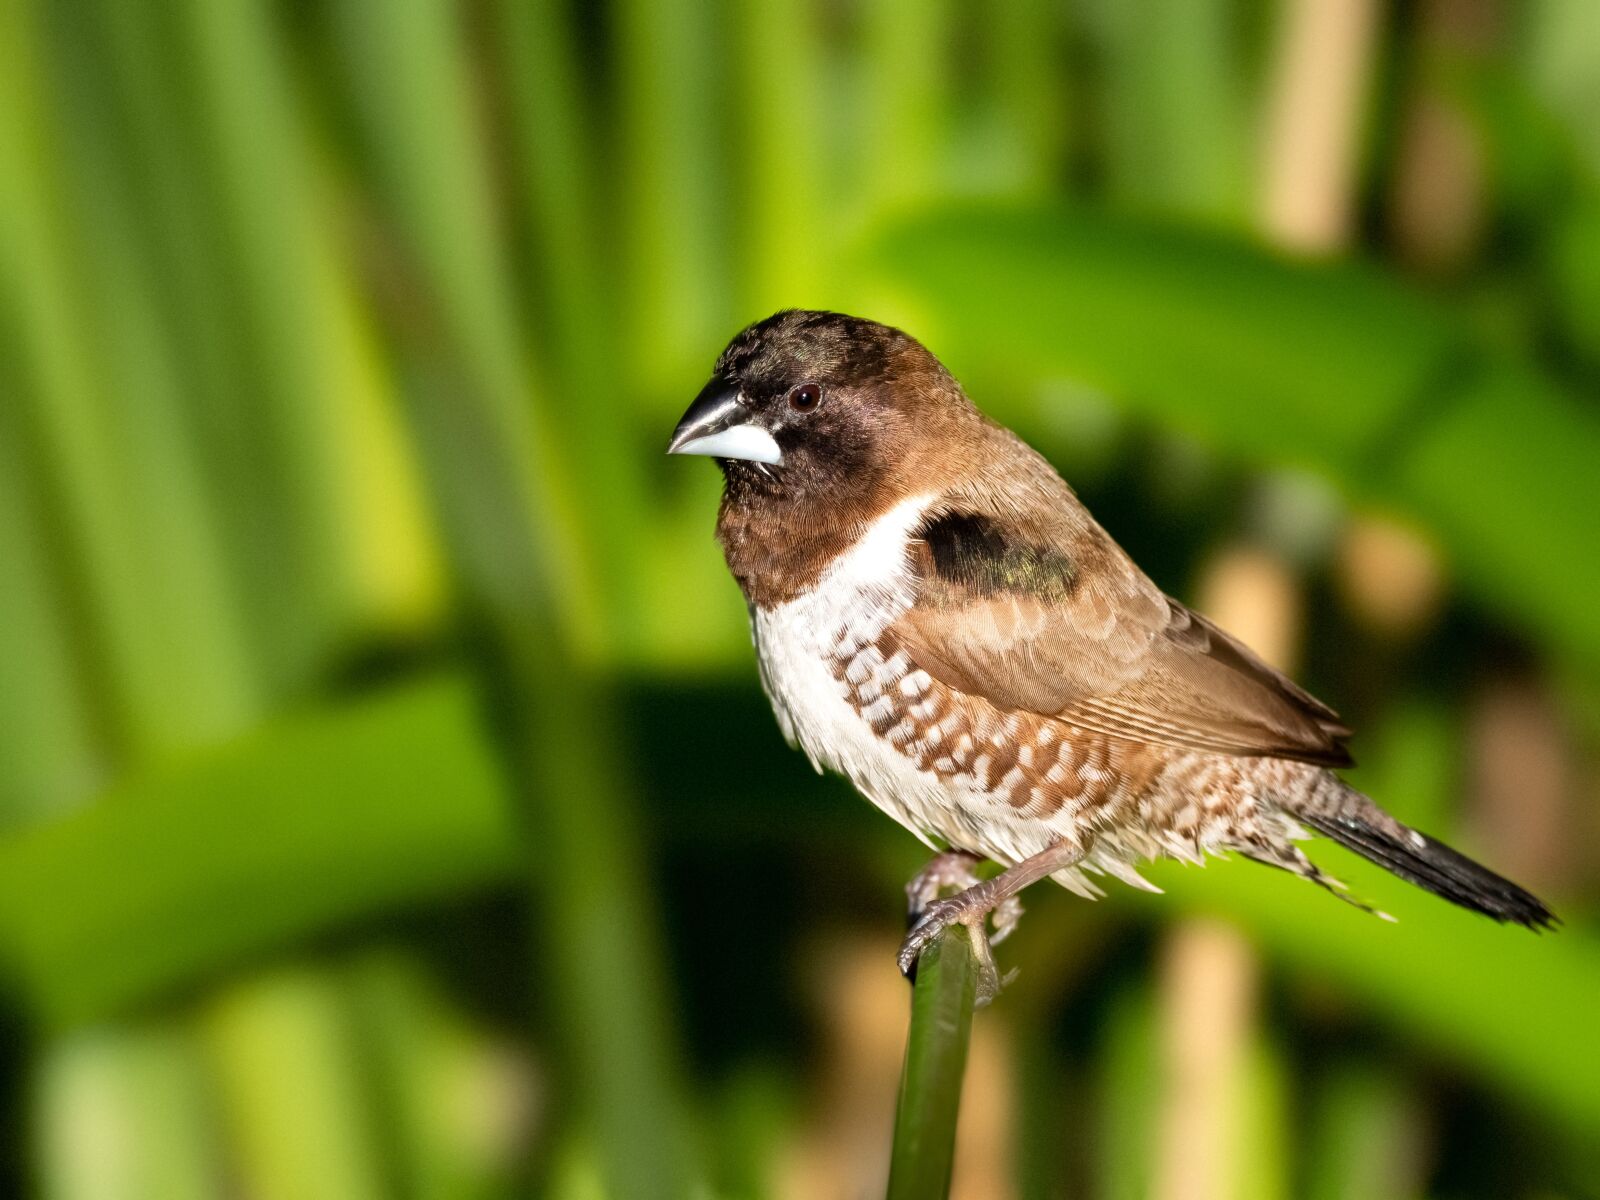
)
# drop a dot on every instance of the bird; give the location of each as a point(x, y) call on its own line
point(938, 618)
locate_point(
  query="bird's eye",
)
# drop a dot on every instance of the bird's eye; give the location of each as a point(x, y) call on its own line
point(805, 397)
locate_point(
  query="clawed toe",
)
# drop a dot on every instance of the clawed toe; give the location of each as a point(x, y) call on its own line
point(1005, 916)
point(949, 870)
point(989, 979)
point(994, 898)
point(930, 924)
point(940, 916)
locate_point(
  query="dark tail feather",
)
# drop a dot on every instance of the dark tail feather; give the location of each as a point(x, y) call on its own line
point(1419, 859)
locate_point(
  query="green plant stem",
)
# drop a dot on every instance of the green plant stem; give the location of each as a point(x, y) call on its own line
point(936, 1060)
point(520, 562)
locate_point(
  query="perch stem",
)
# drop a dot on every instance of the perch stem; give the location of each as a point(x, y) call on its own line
point(936, 1059)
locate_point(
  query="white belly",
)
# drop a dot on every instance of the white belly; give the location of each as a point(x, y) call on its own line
point(800, 646)
point(798, 642)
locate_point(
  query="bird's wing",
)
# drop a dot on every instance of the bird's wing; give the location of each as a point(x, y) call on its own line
point(1056, 619)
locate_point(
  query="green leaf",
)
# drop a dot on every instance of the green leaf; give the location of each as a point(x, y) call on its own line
point(297, 826)
point(1515, 1006)
point(1176, 135)
point(1507, 476)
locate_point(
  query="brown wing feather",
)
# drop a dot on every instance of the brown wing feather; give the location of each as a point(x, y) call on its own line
point(1203, 689)
point(1047, 614)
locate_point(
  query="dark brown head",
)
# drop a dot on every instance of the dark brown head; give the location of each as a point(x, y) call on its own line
point(815, 403)
point(819, 422)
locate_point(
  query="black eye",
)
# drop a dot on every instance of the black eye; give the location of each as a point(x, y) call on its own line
point(805, 397)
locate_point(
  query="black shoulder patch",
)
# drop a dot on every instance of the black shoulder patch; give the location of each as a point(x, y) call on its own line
point(979, 554)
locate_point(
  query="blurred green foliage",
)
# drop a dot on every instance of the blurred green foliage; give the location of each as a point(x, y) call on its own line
point(388, 804)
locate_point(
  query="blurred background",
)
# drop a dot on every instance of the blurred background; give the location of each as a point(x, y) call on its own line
point(389, 804)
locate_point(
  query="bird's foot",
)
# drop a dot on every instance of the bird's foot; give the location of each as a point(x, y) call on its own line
point(947, 871)
point(971, 907)
point(976, 902)
point(956, 871)
point(1005, 917)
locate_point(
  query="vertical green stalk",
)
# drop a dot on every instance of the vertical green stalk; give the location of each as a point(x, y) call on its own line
point(1023, 48)
point(514, 542)
point(935, 1062)
point(50, 760)
point(97, 515)
point(122, 1116)
point(50, 753)
point(672, 202)
point(99, 410)
point(205, 138)
point(552, 135)
point(453, 1099)
point(905, 56)
point(1176, 136)
point(411, 94)
point(286, 1077)
point(669, 201)
point(789, 198)
point(277, 258)
point(585, 867)
point(118, 360)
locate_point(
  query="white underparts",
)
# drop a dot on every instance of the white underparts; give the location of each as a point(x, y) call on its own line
point(821, 649)
point(800, 645)
point(864, 590)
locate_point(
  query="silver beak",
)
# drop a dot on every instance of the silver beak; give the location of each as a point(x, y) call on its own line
point(719, 425)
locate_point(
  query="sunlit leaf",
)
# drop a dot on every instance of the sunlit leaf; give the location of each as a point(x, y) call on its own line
point(316, 820)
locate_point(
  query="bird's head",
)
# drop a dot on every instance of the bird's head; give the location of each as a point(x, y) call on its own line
point(817, 404)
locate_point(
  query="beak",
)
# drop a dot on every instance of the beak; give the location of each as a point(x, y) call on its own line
point(719, 425)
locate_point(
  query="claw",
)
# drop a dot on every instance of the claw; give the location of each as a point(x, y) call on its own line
point(952, 869)
point(931, 924)
point(989, 981)
point(941, 915)
point(928, 915)
point(1005, 916)
point(976, 902)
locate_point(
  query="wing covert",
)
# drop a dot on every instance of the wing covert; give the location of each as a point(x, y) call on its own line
point(1057, 620)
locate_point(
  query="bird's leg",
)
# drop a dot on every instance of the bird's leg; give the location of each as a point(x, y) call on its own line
point(957, 869)
point(947, 869)
point(971, 905)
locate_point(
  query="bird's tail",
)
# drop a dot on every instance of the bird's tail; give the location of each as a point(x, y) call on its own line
point(1355, 822)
